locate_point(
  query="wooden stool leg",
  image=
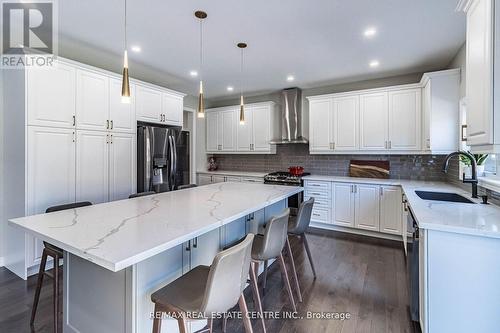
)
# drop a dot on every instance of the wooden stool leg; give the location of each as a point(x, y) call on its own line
point(264, 276)
point(39, 283)
point(308, 251)
point(210, 324)
point(244, 310)
point(287, 281)
point(156, 320)
point(224, 323)
point(182, 324)
point(56, 293)
point(256, 296)
point(294, 271)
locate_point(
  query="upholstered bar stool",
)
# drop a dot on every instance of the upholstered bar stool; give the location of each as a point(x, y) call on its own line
point(56, 253)
point(208, 290)
point(142, 194)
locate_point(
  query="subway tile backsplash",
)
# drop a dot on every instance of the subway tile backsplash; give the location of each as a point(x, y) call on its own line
point(416, 167)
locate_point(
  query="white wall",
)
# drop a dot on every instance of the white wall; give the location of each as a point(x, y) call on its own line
point(459, 62)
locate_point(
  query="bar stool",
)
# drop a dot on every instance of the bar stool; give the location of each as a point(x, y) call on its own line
point(208, 290)
point(56, 253)
point(183, 187)
point(142, 194)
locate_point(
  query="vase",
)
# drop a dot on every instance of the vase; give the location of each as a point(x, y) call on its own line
point(480, 170)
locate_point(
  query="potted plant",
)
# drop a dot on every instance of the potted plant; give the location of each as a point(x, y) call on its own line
point(480, 160)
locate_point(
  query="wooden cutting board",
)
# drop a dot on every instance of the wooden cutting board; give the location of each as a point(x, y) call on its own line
point(369, 169)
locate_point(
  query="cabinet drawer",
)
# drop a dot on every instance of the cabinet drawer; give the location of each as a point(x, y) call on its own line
point(317, 185)
point(320, 215)
point(320, 201)
point(317, 194)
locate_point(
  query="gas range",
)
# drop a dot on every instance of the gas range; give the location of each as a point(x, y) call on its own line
point(284, 178)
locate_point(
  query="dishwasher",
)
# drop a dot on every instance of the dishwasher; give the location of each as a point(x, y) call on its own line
point(414, 270)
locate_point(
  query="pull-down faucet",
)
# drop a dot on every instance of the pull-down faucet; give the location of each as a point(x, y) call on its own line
point(473, 179)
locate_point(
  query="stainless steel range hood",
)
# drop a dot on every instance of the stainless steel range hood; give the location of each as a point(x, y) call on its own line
point(291, 117)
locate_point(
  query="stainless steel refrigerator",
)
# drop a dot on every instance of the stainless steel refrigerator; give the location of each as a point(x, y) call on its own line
point(162, 158)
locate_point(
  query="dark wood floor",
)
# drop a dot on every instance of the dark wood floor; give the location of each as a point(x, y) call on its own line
point(364, 277)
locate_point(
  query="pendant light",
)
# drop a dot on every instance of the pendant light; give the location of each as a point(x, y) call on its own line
point(125, 80)
point(242, 46)
point(201, 104)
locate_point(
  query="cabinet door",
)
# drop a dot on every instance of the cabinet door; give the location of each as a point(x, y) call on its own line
point(232, 179)
point(479, 73)
point(244, 132)
point(173, 107)
point(148, 104)
point(405, 119)
point(391, 210)
point(367, 207)
point(346, 123)
point(426, 116)
point(234, 231)
point(204, 180)
point(122, 165)
point(51, 97)
point(212, 120)
point(218, 179)
point(50, 174)
point(261, 116)
point(343, 204)
point(227, 126)
point(373, 118)
point(92, 100)
point(121, 115)
point(320, 125)
point(92, 148)
point(204, 248)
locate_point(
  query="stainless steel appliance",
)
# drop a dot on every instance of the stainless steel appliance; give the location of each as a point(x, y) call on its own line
point(287, 179)
point(414, 270)
point(162, 157)
point(291, 117)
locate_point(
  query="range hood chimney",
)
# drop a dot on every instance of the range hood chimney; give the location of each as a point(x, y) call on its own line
point(291, 117)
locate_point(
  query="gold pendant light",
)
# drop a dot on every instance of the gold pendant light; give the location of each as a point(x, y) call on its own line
point(242, 46)
point(201, 104)
point(125, 80)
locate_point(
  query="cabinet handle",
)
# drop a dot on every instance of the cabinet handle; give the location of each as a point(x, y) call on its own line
point(107, 138)
point(107, 123)
point(316, 214)
point(188, 247)
point(74, 120)
point(74, 137)
point(381, 190)
point(390, 144)
point(111, 122)
point(195, 242)
point(111, 139)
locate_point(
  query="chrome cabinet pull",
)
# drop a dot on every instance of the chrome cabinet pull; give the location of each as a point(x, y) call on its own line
point(316, 214)
point(333, 145)
point(107, 138)
point(195, 242)
point(74, 120)
point(111, 122)
point(74, 137)
point(111, 139)
point(390, 144)
point(188, 246)
point(107, 123)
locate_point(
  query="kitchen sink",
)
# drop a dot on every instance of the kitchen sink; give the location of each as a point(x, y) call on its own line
point(443, 196)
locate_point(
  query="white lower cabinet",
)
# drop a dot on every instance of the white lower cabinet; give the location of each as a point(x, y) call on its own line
point(367, 211)
point(343, 204)
point(391, 210)
point(207, 178)
point(122, 166)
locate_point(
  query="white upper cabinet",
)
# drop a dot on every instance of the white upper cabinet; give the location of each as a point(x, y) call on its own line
point(172, 107)
point(345, 123)
point(148, 104)
point(367, 207)
point(92, 100)
point(122, 165)
point(51, 97)
point(391, 210)
point(92, 166)
point(405, 119)
point(226, 134)
point(373, 120)
point(480, 62)
point(121, 115)
point(320, 125)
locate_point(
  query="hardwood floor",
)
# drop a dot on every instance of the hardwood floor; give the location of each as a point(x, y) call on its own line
point(357, 275)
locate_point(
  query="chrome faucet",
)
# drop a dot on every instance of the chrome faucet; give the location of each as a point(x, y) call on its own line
point(473, 179)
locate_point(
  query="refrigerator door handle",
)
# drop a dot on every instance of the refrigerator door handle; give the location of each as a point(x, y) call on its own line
point(172, 162)
point(174, 165)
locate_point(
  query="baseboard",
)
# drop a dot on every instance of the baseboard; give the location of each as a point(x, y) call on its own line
point(324, 226)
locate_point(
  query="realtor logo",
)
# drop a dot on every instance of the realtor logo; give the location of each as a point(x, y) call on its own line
point(28, 33)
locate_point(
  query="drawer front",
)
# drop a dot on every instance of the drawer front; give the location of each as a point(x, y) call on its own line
point(317, 194)
point(320, 215)
point(320, 201)
point(317, 185)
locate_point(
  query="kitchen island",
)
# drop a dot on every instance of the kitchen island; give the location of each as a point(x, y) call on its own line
point(118, 253)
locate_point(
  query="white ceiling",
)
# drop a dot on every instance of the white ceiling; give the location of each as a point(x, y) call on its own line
point(320, 42)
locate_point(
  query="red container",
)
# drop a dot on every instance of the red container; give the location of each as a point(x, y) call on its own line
point(296, 170)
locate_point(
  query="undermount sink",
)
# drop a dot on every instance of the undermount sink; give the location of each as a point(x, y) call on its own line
point(443, 196)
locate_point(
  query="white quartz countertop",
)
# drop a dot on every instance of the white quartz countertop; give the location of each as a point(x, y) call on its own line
point(119, 234)
point(234, 173)
point(473, 219)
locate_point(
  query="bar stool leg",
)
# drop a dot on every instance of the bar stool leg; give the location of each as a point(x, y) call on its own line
point(210, 324)
point(308, 251)
point(224, 323)
point(287, 281)
point(244, 310)
point(157, 320)
point(182, 324)
point(294, 270)
point(56, 293)
point(256, 296)
point(39, 283)
point(264, 277)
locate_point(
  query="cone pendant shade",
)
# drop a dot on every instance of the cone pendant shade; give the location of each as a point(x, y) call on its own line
point(201, 103)
point(125, 80)
point(242, 111)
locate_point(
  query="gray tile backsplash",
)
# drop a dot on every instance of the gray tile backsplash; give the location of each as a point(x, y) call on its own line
point(417, 167)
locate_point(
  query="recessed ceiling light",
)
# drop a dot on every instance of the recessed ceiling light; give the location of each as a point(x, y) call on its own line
point(374, 63)
point(229, 88)
point(193, 73)
point(290, 78)
point(370, 32)
point(136, 49)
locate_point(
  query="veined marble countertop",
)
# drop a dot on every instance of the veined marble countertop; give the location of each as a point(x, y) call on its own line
point(118, 234)
point(234, 173)
point(473, 219)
